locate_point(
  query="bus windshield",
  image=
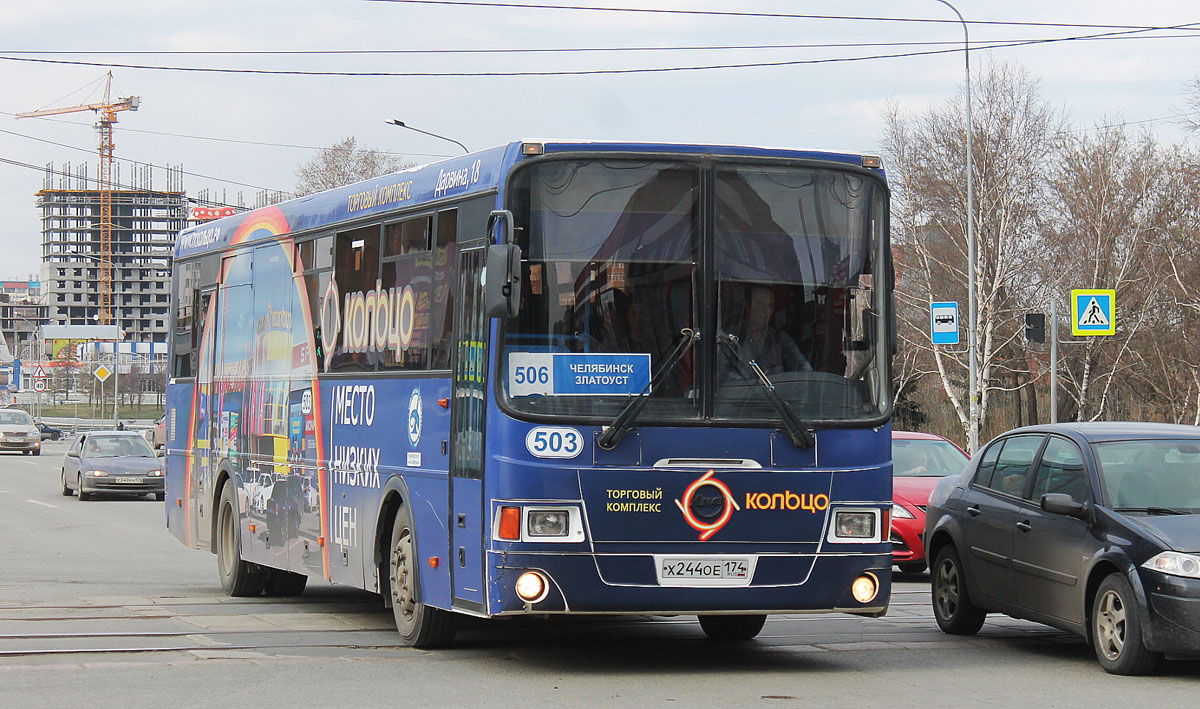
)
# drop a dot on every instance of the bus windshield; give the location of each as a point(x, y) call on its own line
point(772, 264)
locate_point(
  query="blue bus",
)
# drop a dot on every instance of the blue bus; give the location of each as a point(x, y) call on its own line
point(547, 378)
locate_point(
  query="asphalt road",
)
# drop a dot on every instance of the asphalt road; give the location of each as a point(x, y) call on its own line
point(101, 606)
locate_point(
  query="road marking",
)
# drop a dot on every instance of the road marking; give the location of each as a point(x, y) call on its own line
point(43, 504)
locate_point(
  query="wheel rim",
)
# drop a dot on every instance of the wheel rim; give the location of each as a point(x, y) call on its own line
point(403, 598)
point(946, 589)
point(228, 549)
point(1110, 625)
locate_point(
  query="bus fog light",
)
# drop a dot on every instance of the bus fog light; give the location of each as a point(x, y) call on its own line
point(531, 587)
point(864, 588)
point(548, 523)
point(854, 525)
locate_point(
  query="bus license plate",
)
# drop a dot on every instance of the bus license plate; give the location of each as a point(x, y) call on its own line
point(705, 570)
point(124, 479)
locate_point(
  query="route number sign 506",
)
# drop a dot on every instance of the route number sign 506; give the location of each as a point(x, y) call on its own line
point(554, 442)
point(531, 374)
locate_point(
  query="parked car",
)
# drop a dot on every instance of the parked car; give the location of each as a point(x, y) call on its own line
point(919, 462)
point(1093, 528)
point(18, 432)
point(118, 462)
point(48, 431)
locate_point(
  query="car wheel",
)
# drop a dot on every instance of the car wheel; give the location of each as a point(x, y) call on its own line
point(732, 628)
point(160, 496)
point(419, 625)
point(79, 486)
point(285, 583)
point(1117, 631)
point(238, 576)
point(912, 567)
point(952, 607)
point(66, 490)
point(37, 451)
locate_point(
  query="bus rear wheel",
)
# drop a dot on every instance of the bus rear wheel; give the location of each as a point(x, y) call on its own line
point(732, 628)
point(419, 625)
point(238, 577)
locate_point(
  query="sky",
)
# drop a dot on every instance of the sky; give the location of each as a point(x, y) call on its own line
point(240, 132)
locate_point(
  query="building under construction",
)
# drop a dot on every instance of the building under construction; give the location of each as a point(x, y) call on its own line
point(145, 221)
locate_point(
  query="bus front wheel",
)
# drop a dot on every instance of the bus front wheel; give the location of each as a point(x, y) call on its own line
point(419, 625)
point(732, 628)
point(238, 576)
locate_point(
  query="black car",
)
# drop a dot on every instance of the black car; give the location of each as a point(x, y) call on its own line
point(1093, 528)
point(48, 431)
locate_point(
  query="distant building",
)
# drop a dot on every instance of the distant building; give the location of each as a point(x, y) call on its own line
point(145, 224)
point(22, 311)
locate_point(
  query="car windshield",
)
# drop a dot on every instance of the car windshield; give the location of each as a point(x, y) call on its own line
point(772, 268)
point(116, 446)
point(15, 418)
point(1151, 476)
point(926, 458)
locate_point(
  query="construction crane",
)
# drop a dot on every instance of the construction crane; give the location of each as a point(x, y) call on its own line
point(107, 110)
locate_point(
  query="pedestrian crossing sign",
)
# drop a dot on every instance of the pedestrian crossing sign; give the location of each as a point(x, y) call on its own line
point(1093, 312)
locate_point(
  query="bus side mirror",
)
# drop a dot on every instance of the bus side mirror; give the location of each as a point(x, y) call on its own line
point(502, 281)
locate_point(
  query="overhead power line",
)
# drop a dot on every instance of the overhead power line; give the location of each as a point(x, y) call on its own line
point(143, 164)
point(592, 72)
point(117, 186)
point(768, 15)
point(544, 50)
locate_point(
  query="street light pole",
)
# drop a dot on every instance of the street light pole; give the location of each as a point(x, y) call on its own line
point(402, 124)
point(972, 305)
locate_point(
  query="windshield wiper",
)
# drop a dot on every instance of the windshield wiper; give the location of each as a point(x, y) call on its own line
point(613, 433)
point(1153, 510)
point(794, 427)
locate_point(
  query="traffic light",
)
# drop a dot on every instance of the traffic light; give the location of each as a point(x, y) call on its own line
point(1035, 327)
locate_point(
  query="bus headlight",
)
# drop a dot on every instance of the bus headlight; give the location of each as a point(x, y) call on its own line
point(548, 523)
point(854, 525)
point(532, 587)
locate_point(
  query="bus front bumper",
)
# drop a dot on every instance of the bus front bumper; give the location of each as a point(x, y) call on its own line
point(628, 584)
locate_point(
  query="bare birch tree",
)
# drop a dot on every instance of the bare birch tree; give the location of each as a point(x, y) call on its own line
point(1013, 133)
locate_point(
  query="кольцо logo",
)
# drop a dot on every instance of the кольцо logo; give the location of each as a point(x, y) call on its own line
point(707, 514)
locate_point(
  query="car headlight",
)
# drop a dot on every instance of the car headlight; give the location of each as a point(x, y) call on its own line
point(1175, 564)
point(899, 511)
point(98, 474)
point(155, 473)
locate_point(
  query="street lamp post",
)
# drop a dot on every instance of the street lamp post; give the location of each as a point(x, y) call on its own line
point(402, 124)
point(972, 305)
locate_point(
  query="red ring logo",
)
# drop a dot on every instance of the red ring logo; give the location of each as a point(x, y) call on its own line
point(707, 529)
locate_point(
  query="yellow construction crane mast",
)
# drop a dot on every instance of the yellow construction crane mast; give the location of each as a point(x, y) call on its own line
point(107, 110)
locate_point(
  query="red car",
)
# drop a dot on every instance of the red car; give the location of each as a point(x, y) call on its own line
point(919, 462)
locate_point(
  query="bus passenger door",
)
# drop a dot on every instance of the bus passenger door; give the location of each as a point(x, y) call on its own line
point(466, 433)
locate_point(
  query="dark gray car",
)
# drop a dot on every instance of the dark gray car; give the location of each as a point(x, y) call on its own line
point(116, 462)
point(1093, 528)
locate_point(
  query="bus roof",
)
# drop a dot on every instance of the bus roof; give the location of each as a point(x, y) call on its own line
point(463, 175)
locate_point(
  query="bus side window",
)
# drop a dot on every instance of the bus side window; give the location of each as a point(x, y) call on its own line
point(356, 269)
point(407, 274)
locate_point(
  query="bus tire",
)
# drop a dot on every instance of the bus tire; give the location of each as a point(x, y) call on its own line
point(419, 625)
point(238, 576)
point(285, 583)
point(952, 607)
point(732, 628)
